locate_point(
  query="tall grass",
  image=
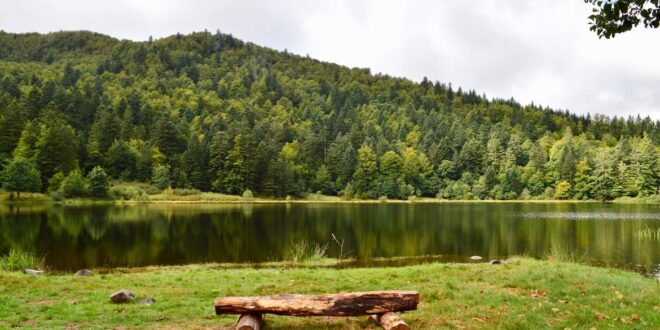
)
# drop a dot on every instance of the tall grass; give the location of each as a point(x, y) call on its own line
point(563, 253)
point(18, 260)
point(304, 251)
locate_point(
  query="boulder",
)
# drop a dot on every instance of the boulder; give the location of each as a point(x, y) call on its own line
point(147, 301)
point(33, 272)
point(121, 296)
point(495, 262)
point(475, 258)
point(84, 272)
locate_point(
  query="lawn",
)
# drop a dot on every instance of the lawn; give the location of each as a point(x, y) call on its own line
point(521, 294)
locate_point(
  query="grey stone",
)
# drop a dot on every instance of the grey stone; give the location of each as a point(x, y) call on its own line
point(84, 272)
point(121, 296)
point(33, 272)
point(475, 258)
point(495, 262)
point(147, 301)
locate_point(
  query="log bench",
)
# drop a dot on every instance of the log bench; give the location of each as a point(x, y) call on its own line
point(381, 306)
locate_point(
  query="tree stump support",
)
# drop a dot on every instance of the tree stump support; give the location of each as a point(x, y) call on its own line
point(390, 321)
point(250, 322)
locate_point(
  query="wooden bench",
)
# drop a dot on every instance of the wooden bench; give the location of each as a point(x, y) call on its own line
point(381, 306)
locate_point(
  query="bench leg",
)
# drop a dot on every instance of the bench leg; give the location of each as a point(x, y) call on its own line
point(250, 322)
point(390, 321)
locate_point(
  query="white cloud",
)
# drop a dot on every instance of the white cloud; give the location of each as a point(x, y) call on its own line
point(540, 51)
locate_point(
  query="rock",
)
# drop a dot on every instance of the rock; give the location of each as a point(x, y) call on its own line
point(33, 272)
point(495, 262)
point(475, 258)
point(121, 296)
point(147, 301)
point(84, 272)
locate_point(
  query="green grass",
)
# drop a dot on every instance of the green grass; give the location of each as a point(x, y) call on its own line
point(521, 294)
point(305, 252)
point(18, 260)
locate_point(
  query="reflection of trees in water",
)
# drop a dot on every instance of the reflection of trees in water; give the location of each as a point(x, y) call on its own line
point(88, 236)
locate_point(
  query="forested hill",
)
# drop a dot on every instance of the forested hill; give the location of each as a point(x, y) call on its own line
point(211, 112)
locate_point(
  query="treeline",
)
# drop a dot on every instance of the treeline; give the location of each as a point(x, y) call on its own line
point(210, 112)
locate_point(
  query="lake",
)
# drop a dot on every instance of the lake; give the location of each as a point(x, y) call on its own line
point(74, 237)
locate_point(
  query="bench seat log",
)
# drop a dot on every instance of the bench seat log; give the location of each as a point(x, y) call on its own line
point(340, 304)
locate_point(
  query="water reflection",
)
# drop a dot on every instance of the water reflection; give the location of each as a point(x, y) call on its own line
point(73, 237)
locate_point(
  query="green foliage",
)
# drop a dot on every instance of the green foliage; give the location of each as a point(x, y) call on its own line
point(247, 194)
point(161, 177)
point(364, 177)
point(21, 175)
point(563, 190)
point(210, 112)
point(127, 192)
point(55, 183)
point(75, 185)
point(17, 260)
point(304, 251)
point(613, 17)
point(99, 182)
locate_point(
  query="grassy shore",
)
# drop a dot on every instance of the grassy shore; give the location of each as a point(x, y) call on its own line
point(521, 294)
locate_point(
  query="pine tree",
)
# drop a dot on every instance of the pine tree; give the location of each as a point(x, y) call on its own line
point(12, 121)
point(234, 173)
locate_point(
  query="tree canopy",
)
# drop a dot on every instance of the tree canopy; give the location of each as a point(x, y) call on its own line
point(211, 112)
point(611, 17)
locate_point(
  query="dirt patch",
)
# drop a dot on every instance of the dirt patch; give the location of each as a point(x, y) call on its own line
point(42, 303)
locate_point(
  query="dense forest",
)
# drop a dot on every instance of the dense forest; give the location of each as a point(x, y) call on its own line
point(210, 112)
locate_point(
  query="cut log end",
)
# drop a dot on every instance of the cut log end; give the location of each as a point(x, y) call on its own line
point(390, 321)
point(250, 322)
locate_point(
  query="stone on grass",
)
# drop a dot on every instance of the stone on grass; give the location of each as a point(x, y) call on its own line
point(495, 262)
point(147, 301)
point(121, 296)
point(32, 272)
point(475, 258)
point(84, 272)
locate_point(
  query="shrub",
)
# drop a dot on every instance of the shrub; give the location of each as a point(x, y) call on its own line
point(185, 192)
point(55, 183)
point(127, 193)
point(99, 182)
point(248, 194)
point(18, 260)
point(75, 185)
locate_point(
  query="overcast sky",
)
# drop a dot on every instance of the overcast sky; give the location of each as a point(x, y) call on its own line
point(540, 51)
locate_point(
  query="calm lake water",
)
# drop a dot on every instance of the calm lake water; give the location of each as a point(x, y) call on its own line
point(74, 237)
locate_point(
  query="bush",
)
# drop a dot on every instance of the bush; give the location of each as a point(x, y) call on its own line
point(99, 182)
point(127, 193)
point(55, 183)
point(248, 194)
point(18, 260)
point(185, 192)
point(75, 185)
